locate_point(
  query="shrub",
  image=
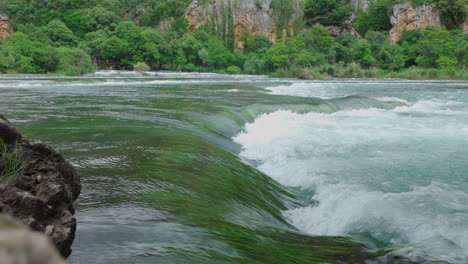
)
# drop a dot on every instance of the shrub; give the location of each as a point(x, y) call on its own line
point(74, 61)
point(233, 69)
point(377, 19)
point(254, 66)
point(189, 68)
point(141, 67)
point(447, 63)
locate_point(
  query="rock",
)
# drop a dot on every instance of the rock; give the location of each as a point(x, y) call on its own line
point(19, 245)
point(240, 17)
point(405, 17)
point(5, 30)
point(7, 132)
point(337, 31)
point(42, 194)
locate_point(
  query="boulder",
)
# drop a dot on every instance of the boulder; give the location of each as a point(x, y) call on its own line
point(42, 192)
point(20, 245)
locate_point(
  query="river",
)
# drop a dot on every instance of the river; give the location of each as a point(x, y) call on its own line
point(212, 168)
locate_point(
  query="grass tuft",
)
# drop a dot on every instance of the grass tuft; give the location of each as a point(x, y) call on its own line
point(13, 161)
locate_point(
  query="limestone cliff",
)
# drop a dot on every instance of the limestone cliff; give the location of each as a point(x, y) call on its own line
point(405, 16)
point(5, 30)
point(231, 19)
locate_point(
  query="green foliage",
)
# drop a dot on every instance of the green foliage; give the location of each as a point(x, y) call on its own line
point(376, 40)
point(74, 61)
point(391, 57)
point(317, 38)
point(31, 56)
point(66, 36)
point(26, 65)
point(100, 18)
point(453, 13)
point(60, 34)
point(361, 53)
point(447, 63)
point(218, 56)
point(278, 56)
point(141, 67)
point(233, 69)
point(190, 67)
point(328, 12)
point(258, 44)
point(254, 65)
point(283, 11)
point(377, 19)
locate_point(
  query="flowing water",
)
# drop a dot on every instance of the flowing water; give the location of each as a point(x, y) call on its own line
point(209, 168)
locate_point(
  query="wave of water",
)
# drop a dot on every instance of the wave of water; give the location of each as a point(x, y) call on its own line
point(389, 176)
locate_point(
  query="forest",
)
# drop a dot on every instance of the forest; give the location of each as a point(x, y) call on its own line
point(71, 37)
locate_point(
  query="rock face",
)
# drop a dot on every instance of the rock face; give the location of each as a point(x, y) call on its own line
point(336, 31)
point(406, 17)
point(5, 30)
point(41, 193)
point(234, 18)
point(19, 245)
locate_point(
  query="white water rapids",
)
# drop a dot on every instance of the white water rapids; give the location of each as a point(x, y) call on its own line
point(391, 177)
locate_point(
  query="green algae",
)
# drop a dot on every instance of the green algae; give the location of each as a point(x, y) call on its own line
point(210, 188)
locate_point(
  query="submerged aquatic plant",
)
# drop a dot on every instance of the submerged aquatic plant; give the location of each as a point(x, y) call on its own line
point(13, 161)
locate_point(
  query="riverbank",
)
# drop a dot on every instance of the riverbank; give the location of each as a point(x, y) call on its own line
point(327, 72)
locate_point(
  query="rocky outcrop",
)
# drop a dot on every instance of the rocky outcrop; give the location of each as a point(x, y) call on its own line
point(338, 31)
point(41, 191)
point(5, 30)
point(242, 17)
point(406, 17)
point(19, 245)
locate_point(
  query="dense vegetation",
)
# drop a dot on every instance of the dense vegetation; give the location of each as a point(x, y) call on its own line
point(69, 37)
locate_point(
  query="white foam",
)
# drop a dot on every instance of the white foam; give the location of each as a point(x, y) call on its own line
point(373, 172)
point(308, 89)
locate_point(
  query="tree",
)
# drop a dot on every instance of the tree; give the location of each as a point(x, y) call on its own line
point(258, 44)
point(318, 38)
point(328, 12)
point(433, 44)
point(361, 53)
point(453, 13)
point(254, 65)
point(219, 56)
point(391, 57)
point(74, 61)
point(377, 19)
point(101, 18)
point(60, 34)
point(376, 40)
point(278, 55)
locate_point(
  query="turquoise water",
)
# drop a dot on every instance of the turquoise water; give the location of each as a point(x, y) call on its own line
point(208, 168)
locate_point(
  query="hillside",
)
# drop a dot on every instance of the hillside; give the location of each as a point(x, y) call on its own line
point(309, 38)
